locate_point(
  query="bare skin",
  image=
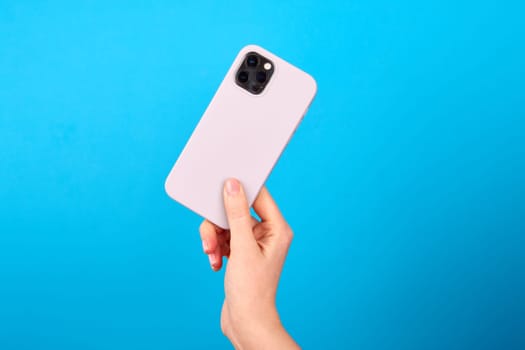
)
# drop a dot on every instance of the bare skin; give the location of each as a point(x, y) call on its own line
point(256, 251)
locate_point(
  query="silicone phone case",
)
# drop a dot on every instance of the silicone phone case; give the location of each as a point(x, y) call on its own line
point(240, 135)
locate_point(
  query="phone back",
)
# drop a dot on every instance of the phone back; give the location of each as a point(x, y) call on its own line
point(240, 135)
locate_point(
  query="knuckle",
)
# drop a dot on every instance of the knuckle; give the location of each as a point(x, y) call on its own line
point(287, 234)
point(204, 228)
point(238, 218)
point(236, 212)
point(224, 328)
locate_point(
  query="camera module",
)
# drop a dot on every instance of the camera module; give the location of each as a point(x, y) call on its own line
point(254, 73)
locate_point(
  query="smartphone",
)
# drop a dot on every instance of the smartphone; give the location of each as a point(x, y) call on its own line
point(242, 133)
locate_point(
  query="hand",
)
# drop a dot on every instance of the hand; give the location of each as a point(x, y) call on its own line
point(256, 252)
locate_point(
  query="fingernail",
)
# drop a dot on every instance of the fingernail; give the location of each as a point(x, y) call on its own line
point(213, 260)
point(232, 186)
point(205, 245)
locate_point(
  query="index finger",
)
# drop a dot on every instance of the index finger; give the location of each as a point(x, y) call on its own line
point(266, 208)
point(209, 233)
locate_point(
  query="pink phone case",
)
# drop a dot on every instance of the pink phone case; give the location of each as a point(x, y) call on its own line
point(240, 135)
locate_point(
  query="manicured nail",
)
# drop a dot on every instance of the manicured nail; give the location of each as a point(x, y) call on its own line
point(205, 245)
point(213, 260)
point(232, 186)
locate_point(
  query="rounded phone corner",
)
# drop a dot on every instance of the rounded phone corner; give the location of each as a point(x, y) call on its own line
point(313, 84)
point(250, 47)
point(167, 188)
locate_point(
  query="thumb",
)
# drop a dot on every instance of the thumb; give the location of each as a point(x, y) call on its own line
point(239, 217)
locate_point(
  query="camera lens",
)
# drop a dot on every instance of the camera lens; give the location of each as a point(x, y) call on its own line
point(256, 87)
point(252, 61)
point(261, 77)
point(243, 76)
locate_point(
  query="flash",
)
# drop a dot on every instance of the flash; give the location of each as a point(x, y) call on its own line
point(267, 66)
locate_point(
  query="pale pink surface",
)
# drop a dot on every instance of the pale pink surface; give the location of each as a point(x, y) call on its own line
point(240, 135)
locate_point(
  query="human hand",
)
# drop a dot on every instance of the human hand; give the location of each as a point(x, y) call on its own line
point(256, 252)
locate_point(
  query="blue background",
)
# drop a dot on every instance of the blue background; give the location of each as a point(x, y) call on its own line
point(404, 184)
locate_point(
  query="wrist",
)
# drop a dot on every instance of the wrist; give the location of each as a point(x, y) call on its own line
point(255, 321)
point(261, 331)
